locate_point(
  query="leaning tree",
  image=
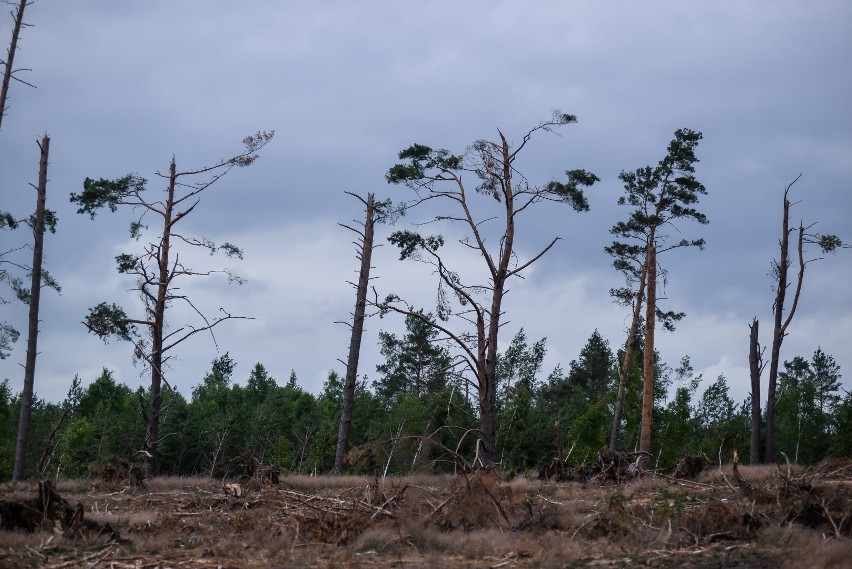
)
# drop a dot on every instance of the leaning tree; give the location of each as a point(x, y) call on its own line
point(376, 212)
point(437, 176)
point(660, 196)
point(8, 69)
point(159, 268)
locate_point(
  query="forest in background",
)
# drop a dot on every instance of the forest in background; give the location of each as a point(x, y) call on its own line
point(414, 406)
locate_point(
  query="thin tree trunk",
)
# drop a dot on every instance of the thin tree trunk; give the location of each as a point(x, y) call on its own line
point(35, 297)
point(488, 372)
point(781, 323)
point(777, 334)
point(355, 339)
point(157, 330)
point(755, 369)
point(10, 57)
point(648, 371)
point(488, 385)
point(628, 354)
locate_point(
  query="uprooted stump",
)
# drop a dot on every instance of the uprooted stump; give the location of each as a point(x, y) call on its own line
point(691, 466)
point(556, 471)
point(479, 500)
point(363, 459)
point(609, 465)
point(258, 475)
point(120, 472)
point(44, 510)
point(48, 510)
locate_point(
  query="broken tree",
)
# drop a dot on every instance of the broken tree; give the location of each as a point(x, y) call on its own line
point(780, 270)
point(438, 175)
point(8, 70)
point(42, 220)
point(374, 212)
point(158, 267)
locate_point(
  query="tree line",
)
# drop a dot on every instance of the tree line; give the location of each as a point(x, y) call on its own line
point(417, 410)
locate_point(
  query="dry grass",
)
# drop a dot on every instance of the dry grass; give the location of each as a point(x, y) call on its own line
point(801, 518)
point(754, 474)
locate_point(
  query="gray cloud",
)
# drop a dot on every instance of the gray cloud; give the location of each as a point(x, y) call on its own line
point(124, 86)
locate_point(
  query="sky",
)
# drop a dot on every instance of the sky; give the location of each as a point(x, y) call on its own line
point(123, 87)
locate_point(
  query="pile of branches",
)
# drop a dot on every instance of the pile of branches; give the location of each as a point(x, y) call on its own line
point(255, 475)
point(607, 466)
point(616, 467)
point(121, 472)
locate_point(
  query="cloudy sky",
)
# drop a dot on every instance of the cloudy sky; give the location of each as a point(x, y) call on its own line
point(124, 86)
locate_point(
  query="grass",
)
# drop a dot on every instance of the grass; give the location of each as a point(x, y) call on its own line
point(462, 521)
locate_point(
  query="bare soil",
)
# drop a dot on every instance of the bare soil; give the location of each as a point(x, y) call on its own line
point(753, 517)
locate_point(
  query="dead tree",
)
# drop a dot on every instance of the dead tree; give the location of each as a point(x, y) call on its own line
point(439, 175)
point(780, 270)
point(158, 267)
point(365, 251)
point(42, 220)
point(755, 362)
point(8, 70)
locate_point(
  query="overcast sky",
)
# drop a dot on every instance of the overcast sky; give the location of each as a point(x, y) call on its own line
point(124, 86)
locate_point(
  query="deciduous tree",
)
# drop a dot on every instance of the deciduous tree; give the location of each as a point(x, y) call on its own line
point(518, 430)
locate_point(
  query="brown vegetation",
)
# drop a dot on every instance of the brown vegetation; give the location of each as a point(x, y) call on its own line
point(756, 517)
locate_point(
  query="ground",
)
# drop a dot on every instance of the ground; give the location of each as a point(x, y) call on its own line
point(763, 517)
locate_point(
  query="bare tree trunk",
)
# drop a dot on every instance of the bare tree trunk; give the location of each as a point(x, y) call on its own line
point(35, 297)
point(10, 57)
point(488, 419)
point(157, 329)
point(628, 354)
point(755, 367)
point(355, 339)
point(781, 323)
point(777, 333)
point(649, 368)
point(488, 376)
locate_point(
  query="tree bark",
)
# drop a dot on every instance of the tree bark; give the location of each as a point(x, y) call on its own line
point(159, 320)
point(355, 339)
point(10, 57)
point(777, 333)
point(755, 369)
point(781, 323)
point(628, 354)
point(649, 368)
point(488, 377)
point(35, 297)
